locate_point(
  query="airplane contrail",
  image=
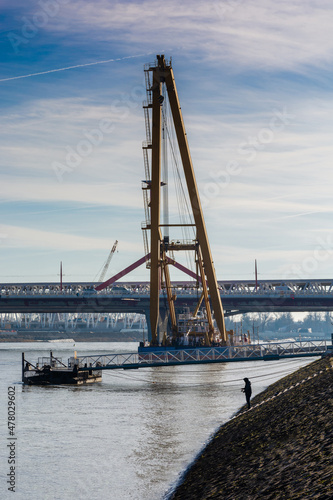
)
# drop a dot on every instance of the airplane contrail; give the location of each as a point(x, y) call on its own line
point(73, 67)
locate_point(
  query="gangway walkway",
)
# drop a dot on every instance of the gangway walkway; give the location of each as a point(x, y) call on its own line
point(170, 356)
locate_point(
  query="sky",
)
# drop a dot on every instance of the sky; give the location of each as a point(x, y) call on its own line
point(255, 84)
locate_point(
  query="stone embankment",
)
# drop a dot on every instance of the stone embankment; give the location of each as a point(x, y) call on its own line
point(282, 448)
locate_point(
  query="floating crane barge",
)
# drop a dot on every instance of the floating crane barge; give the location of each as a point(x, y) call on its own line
point(160, 83)
point(195, 337)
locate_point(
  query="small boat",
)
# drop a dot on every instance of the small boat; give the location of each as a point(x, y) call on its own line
point(52, 371)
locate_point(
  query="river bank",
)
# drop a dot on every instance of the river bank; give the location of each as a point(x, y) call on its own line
point(77, 336)
point(281, 448)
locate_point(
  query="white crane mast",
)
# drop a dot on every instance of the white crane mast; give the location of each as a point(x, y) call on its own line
point(107, 263)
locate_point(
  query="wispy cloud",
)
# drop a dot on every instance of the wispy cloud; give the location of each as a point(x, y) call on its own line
point(106, 194)
point(287, 36)
point(28, 237)
point(234, 68)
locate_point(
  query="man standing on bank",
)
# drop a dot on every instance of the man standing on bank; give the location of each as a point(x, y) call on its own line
point(248, 391)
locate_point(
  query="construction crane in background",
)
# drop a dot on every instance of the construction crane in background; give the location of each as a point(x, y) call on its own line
point(107, 262)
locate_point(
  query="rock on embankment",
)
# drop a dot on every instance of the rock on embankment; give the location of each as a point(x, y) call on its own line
point(282, 448)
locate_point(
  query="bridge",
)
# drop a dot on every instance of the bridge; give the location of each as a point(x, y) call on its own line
point(238, 297)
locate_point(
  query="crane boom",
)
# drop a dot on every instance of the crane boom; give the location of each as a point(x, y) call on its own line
point(107, 263)
point(162, 74)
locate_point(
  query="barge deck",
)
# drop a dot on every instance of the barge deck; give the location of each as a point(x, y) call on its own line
point(52, 371)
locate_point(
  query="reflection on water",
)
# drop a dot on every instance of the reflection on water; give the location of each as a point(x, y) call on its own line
point(128, 437)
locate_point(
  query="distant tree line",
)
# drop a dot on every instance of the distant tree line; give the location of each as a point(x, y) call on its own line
point(282, 324)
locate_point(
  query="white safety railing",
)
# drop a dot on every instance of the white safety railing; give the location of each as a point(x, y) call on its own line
point(200, 355)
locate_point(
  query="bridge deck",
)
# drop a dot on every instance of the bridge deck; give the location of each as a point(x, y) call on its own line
point(184, 356)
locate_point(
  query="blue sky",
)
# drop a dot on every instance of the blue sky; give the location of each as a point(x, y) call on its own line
point(255, 85)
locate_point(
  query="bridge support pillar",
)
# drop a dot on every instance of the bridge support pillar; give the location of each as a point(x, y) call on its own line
point(163, 324)
point(147, 314)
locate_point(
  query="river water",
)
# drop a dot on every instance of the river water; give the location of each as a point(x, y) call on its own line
point(126, 438)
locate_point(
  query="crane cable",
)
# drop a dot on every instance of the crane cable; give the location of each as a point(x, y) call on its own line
point(182, 202)
point(199, 384)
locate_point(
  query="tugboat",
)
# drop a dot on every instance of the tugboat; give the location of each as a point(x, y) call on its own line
point(52, 371)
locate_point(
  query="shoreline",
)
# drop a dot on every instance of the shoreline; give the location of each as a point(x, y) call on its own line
point(46, 336)
point(260, 452)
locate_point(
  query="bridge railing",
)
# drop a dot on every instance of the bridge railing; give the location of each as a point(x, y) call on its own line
point(240, 291)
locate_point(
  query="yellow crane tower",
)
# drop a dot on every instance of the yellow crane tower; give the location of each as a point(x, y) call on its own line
point(161, 74)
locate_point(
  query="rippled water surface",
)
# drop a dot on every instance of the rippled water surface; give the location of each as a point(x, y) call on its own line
point(127, 438)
